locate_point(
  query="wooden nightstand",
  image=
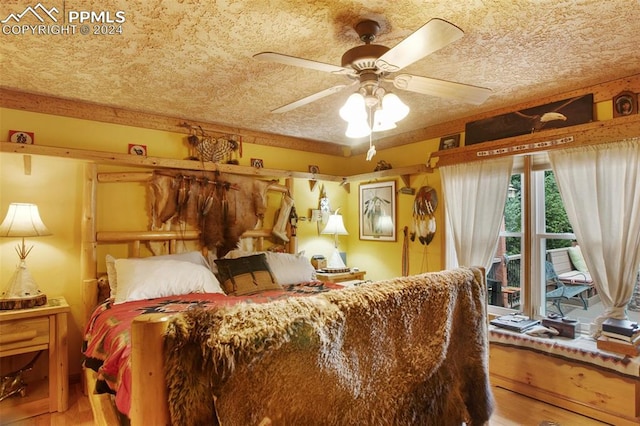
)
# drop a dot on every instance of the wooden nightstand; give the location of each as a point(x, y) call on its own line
point(341, 276)
point(25, 331)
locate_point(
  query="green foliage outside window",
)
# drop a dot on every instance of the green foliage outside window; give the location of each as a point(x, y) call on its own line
point(556, 220)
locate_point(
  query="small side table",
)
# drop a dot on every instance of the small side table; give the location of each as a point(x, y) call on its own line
point(32, 330)
point(340, 276)
point(512, 294)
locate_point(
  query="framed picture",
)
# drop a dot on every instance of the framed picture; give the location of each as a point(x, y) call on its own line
point(257, 163)
point(137, 149)
point(18, 136)
point(625, 103)
point(378, 211)
point(449, 142)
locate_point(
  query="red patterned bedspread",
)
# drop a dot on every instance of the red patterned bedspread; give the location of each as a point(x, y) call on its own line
point(107, 340)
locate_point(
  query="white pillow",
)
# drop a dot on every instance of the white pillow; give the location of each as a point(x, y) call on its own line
point(290, 268)
point(139, 279)
point(193, 256)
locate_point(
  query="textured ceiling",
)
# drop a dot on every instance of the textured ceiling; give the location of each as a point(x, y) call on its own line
point(193, 59)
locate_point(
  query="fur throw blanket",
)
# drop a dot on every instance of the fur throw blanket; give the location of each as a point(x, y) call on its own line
point(406, 351)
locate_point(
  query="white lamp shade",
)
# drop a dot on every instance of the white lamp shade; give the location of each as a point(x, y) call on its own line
point(385, 225)
point(23, 220)
point(381, 121)
point(335, 225)
point(354, 109)
point(393, 106)
point(358, 129)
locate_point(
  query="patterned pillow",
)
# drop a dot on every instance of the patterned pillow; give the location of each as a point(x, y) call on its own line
point(246, 275)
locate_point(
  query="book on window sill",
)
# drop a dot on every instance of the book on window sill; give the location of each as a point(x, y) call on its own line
point(635, 338)
point(619, 326)
point(613, 345)
point(517, 323)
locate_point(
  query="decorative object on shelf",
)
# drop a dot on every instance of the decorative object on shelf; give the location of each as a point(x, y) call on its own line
point(137, 149)
point(424, 220)
point(13, 383)
point(378, 211)
point(564, 113)
point(22, 220)
point(382, 165)
point(257, 163)
point(18, 136)
point(223, 149)
point(325, 207)
point(335, 226)
point(449, 142)
point(314, 169)
point(625, 103)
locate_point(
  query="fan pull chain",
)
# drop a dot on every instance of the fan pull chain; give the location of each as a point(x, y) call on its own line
point(372, 149)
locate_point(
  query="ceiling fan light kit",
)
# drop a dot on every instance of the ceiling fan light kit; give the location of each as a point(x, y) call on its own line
point(372, 105)
point(372, 108)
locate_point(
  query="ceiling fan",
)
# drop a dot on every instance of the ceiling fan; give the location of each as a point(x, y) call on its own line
point(371, 64)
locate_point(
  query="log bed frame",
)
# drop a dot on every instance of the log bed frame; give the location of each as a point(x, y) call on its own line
point(148, 330)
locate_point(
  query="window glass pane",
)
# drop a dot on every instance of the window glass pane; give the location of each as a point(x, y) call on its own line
point(555, 216)
point(503, 278)
point(513, 206)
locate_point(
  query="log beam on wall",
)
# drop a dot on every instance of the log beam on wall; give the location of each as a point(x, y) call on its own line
point(157, 162)
point(89, 111)
point(84, 110)
point(593, 133)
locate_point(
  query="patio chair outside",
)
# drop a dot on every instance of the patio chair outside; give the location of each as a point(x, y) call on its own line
point(557, 290)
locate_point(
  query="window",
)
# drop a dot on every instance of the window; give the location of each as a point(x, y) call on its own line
point(536, 230)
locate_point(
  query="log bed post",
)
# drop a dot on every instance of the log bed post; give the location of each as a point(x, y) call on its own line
point(148, 402)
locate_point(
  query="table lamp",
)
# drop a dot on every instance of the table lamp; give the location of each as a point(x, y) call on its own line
point(22, 220)
point(335, 226)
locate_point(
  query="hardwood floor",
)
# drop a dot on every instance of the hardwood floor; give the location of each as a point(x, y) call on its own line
point(512, 409)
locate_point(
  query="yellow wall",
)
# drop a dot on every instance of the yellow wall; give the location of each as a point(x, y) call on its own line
point(55, 185)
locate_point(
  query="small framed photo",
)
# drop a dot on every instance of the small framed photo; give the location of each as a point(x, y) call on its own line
point(257, 163)
point(137, 149)
point(378, 211)
point(449, 142)
point(18, 136)
point(625, 103)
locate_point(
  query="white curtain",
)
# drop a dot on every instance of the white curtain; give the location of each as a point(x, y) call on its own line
point(600, 188)
point(474, 195)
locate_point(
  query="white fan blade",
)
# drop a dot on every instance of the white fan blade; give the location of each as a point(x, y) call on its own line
point(300, 62)
point(311, 98)
point(442, 88)
point(432, 36)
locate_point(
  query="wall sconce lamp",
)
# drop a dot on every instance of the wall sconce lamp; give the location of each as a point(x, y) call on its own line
point(335, 226)
point(22, 220)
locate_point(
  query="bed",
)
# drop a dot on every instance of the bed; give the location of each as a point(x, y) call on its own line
point(411, 350)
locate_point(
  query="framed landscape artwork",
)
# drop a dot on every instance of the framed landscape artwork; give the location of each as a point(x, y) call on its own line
point(378, 211)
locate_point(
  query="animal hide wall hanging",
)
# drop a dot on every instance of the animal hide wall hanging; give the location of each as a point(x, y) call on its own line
point(222, 206)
